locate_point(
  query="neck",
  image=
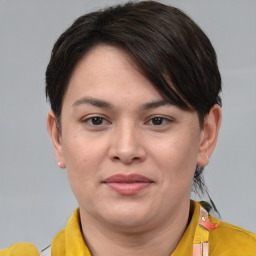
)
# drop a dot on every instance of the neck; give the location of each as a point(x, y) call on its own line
point(115, 241)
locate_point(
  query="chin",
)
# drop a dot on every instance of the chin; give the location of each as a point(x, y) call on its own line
point(126, 217)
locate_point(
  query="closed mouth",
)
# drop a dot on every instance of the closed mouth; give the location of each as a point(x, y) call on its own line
point(128, 184)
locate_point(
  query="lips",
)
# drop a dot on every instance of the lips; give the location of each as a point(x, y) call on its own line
point(128, 184)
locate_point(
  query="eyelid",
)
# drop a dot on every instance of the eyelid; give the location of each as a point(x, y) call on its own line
point(90, 117)
point(168, 119)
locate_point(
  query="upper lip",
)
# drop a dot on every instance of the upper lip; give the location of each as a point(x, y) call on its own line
point(123, 178)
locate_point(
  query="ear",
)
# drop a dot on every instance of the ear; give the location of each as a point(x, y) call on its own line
point(56, 139)
point(209, 135)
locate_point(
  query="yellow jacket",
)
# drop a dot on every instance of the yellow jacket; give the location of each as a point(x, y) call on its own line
point(226, 240)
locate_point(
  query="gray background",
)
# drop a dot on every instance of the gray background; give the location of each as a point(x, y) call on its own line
point(35, 198)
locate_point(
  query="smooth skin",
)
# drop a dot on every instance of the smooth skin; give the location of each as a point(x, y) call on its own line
point(114, 121)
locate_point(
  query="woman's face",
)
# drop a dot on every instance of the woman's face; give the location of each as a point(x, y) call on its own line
point(129, 154)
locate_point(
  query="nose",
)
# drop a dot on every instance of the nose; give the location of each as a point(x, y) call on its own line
point(127, 144)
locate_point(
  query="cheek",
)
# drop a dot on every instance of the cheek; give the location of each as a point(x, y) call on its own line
point(86, 157)
point(81, 162)
point(81, 159)
point(177, 158)
point(81, 148)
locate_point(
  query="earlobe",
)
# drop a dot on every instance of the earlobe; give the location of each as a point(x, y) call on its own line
point(55, 138)
point(209, 135)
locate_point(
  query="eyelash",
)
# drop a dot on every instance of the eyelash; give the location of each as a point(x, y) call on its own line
point(160, 118)
point(103, 121)
point(89, 120)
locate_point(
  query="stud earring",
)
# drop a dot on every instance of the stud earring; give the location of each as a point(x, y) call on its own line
point(59, 163)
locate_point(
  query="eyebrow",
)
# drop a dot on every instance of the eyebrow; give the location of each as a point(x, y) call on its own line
point(104, 104)
point(156, 104)
point(93, 101)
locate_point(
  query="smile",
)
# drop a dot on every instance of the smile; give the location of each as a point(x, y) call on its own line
point(128, 184)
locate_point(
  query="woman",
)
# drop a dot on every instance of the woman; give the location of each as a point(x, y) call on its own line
point(135, 115)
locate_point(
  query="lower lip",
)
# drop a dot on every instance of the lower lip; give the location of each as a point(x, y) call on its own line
point(128, 188)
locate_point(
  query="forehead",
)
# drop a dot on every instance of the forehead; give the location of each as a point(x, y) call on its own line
point(107, 71)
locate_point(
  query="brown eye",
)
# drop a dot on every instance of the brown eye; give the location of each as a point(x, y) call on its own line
point(96, 123)
point(160, 121)
point(96, 120)
point(157, 120)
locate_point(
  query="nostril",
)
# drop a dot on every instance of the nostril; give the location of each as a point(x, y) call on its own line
point(126, 159)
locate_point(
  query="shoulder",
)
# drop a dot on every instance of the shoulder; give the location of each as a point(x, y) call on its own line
point(231, 240)
point(20, 249)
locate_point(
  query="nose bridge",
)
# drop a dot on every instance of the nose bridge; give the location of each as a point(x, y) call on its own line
point(126, 142)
